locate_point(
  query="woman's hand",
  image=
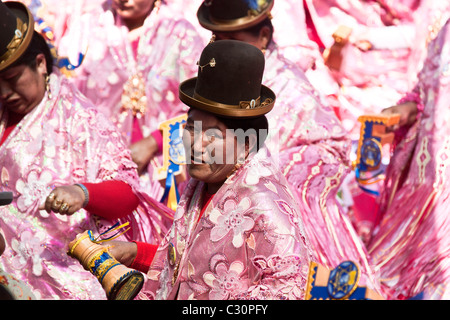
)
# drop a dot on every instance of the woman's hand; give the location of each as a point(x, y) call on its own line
point(124, 252)
point(64, 200)
point(407, 111)
point(143, 151)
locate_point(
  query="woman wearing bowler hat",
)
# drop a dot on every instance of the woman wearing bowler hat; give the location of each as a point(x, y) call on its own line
point(306, 136)
point(65, 164)
point(237, 231)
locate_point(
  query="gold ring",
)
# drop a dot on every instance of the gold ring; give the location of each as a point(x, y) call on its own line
point(64, 208)
point(51, 196)
point(56, 204)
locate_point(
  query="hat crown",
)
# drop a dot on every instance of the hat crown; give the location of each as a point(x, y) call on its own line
point(16, 31)
point(7, 27)
point(232, 9)
point(231, 15)
point(228, 83)
point(230, 72)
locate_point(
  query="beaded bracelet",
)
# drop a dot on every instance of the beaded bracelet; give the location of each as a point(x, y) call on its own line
point(86, 194)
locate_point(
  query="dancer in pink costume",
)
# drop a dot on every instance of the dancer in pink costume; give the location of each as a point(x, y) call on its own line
point(137, 54)
point(237, 232)
point(307, 140)
point(379, 65)
point(411, 244)
point(373, 72)
point(66, 165)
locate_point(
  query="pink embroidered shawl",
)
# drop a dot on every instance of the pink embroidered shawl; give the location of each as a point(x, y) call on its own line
point(64, 140)
point(249, 244)
point(411, 246)
point(312, 148)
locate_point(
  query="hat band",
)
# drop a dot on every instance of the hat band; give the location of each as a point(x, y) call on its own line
point(252, 104)
point(15, 42)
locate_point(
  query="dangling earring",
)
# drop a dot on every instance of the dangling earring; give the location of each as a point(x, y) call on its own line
point(47, 86)
point(263, 49)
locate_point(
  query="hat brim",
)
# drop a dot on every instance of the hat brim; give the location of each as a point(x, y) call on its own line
point(186, 94)
point(21, 11)
point(206, 22)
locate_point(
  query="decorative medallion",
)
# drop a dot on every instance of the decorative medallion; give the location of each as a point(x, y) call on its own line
point(343, 280)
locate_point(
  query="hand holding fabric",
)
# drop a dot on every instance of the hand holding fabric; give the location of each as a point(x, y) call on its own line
point(143, 151)
point(407, 111)
point(123, 251)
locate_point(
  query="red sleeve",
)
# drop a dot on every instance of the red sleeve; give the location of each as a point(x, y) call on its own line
point(144, 257)
point(13, 120)
point(111, 199)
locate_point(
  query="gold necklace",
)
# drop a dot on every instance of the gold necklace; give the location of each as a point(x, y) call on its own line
point(133, 96)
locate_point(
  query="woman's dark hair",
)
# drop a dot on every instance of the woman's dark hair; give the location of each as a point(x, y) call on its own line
point(37, 45)
point(257, 123)
point(256, 28)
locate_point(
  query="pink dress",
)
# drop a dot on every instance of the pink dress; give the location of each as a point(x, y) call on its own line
point(371, 80)
point(63, 140)
point(411, 244)
point(164, 54)
point(250, 242)
point(312, 149)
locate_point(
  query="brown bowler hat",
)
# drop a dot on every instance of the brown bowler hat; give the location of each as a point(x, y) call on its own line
point(229, 81)
point(232, 15)
point(16, 31)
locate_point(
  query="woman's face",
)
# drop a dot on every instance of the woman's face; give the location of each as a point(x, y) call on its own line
point(132, 9)
point(211, 150)
point(23, 88)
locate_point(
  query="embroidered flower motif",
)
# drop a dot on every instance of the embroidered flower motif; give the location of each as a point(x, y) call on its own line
point(103, 76)
point(225, 282)
point(33, 190)
point(256, 171)
point(278, 266)
point(287, 269)
point(50, 142)
point(288, 210)
point(29, 247)
point(232, 219)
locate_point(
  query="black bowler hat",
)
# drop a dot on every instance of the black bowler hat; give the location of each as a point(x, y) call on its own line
point(16, 31)
point(229, 81)
point(232, 15)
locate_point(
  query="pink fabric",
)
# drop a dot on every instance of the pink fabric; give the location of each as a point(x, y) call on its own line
point(296, 46)
point(311, 146)
point(158, 138)
point(136, 132)
point(411, 245)
point(167, 52)
point(372, 80)
point(249, 244)
point(63, 140)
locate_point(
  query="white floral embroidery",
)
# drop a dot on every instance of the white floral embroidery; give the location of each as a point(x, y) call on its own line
point(232, 219)
point(29, 247)
point(225, 282)
point(33, 190)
